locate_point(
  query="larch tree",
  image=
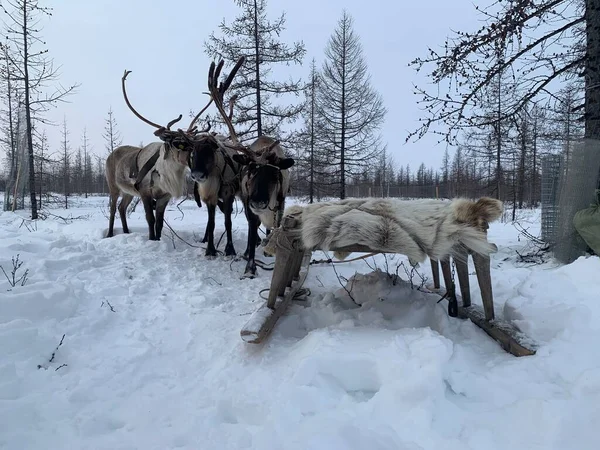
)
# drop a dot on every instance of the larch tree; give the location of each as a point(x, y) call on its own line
point(34, 71)
point(350, 109)
point(470, 65)
point(111, 134)
point(312, 163)
point(65, 162)
point(263, 103)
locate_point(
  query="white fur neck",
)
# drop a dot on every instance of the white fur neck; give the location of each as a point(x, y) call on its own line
point(172, 173)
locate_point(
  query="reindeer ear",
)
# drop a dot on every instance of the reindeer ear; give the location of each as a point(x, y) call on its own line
point(241, 159)
point(285, 163)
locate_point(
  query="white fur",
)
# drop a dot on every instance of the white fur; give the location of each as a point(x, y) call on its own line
point(220, 184)
point(415, 228)
point(170, 178)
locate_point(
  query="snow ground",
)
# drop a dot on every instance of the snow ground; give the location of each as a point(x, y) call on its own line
point(167, 369)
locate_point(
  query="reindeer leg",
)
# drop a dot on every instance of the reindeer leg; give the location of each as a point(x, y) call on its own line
point(253, 222)
point(161, 205)
point(205, 238)
point(228, 209)
point(210, 230)
point(113, 211)
point(125, 201)
point(197, 195)
point(147, 201)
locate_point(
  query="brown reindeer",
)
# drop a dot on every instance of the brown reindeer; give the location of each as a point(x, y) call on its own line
point(213, 169)
point(155, 173)
point(262, 183)
point(265, 181)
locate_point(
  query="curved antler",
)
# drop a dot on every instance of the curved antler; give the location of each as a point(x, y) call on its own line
point(195, 119)
point(217, 93)
point(138, 115)
point(174, 121)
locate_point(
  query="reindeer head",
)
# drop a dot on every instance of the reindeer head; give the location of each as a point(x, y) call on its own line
point(204, 160)
point(263, 178)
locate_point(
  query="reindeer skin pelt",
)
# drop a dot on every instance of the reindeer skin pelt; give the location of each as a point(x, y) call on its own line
point(415, 228)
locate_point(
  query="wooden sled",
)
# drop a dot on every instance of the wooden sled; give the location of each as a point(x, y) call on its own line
point(291, 268)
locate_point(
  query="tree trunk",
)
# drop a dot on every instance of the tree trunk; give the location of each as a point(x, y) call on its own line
point(312, 138)
point(28, 131)
point(521, 183)
point(11, 131)
point(592, 70)
point(343, 115)
point(499, 141)
point(257, 69)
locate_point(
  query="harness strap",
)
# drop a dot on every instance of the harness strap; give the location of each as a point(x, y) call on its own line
point(148, 165)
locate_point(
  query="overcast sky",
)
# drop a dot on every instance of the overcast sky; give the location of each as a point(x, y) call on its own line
point(162, 43)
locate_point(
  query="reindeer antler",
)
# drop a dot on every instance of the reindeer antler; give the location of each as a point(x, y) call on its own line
point(139, 116)
point(197, 116)
point(217, 93)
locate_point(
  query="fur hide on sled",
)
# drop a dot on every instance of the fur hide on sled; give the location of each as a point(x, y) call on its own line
point(415, 228)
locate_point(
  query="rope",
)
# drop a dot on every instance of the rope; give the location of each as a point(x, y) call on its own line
point(302, 292)
point(358, 258)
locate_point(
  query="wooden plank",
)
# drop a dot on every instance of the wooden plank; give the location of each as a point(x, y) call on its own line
point(435, 271)
point(462, 270)
point(507, 335)
point(262, 321)
point(484, 279)
point(283, 257)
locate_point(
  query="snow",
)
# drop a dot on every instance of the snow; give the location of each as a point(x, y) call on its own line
point(167, 368)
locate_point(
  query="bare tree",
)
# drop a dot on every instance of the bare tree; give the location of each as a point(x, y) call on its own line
point(9, 139)
point(310, 161)
point(111, 134)
point(66, 162)
point(253, 35)
point(34, 70)
point(86, 163)
point(470, 63)
point(350, 109)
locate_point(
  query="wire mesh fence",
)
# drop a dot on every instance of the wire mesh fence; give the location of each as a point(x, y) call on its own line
point(568, 186)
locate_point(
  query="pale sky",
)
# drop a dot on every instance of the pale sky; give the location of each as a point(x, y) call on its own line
point(162, 44)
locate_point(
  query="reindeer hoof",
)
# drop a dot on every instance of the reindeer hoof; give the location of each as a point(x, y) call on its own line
point(211, 253)
point(229, 251)
point(248, 275)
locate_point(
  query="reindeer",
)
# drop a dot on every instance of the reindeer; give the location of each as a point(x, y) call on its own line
point(265, 181)
point(155, 173)
point(258, 175)
point(213, 169)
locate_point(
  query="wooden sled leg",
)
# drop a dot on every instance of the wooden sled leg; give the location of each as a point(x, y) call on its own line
point(450, 288)
point(484, 279)
point(261, 323)
point(435, 271)
point(294, 269)
point(510, 338)
point(462, 269)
